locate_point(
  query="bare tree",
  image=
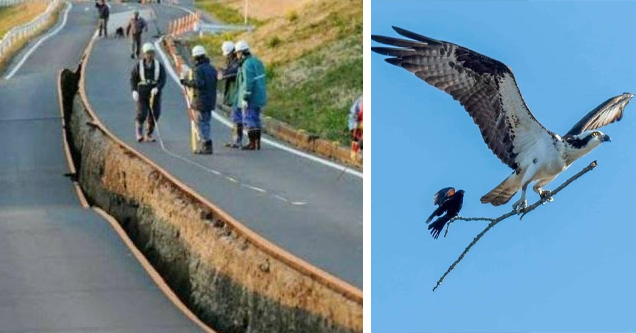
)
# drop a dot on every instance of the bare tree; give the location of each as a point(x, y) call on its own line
point(495, 221)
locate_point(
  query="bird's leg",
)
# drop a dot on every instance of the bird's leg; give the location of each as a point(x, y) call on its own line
point(520, 205)
point(546, 195)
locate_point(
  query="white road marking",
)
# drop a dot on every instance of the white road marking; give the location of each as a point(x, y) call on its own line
point(47, 36)
point(226, 122)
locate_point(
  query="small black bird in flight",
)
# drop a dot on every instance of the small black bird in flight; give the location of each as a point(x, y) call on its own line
point(449, 202)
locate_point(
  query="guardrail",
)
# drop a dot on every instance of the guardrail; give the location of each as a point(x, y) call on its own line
point(193, 23)
point(5, 3)
point(217, 28)
point(26, 30)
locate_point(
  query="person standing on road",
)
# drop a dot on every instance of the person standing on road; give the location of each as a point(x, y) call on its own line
point(202, 90)
point(135, 27)
point(147, 80)
point(104, 13)
point(252, 93)
point(229, 94)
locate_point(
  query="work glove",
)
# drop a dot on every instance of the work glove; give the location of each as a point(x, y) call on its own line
point(154, 91)
point(135, 96)
point(184, 72)
point(244, 104)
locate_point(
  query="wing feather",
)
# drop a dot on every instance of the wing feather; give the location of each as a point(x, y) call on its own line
point(484, 86)
point(442, 195)
point(606, 113)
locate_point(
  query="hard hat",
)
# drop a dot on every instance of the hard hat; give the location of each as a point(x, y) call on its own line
point(241, 46)
point(148, 47)
point(227, 47)
point(198, 51)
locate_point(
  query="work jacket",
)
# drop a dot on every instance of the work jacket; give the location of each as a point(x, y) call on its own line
point(103, 10)
point(228, 74)
point(251, 83)
point(144, 77)
point(136, 26)
point(202, 85)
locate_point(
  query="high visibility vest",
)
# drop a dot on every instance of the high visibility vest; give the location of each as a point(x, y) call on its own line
point(142, 73)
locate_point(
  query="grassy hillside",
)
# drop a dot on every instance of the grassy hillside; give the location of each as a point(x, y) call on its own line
point(313, 53)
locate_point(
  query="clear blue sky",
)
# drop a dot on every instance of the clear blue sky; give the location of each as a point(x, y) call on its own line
point(568, 266)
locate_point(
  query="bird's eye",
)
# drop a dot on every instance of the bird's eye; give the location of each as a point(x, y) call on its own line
point(595, 134)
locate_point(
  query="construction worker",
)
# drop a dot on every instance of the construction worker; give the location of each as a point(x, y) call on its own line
point(135, 27)
point(252, 93)
point(104, 13)
point(202, 90)
point(147, 79)
point(229, 94)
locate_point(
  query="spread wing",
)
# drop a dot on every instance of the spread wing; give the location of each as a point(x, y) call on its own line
point(484, 86)
point(608, 112)
point(442, 195)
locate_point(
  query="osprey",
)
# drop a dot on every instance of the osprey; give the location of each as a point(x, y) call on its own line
point(449, 202)
point(488, 91)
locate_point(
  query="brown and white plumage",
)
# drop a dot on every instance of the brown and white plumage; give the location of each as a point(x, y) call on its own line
point(488, 91)
point(606, 113)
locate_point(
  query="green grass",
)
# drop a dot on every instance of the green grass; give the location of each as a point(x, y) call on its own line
point(320, 105)
point(224, 13)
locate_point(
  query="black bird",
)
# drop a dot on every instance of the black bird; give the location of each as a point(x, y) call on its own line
point(449, 202)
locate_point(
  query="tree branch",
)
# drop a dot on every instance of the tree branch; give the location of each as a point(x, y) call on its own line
point(495, 221)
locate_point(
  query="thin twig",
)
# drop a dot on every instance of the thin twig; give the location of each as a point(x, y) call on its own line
point(495, 221)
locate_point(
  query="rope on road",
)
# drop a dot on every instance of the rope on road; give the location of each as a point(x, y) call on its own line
point(216, 172)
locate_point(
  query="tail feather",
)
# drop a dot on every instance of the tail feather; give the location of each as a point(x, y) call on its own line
point(437, 226)
point(503, 192)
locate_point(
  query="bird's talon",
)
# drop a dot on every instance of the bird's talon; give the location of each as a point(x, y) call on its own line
point(546, 195)
point(520, 206)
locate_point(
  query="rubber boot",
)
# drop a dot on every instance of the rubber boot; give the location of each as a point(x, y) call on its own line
point(139, 131)
point(251, 135)
point(239, 135)
point(205, 148)
point(257, 139)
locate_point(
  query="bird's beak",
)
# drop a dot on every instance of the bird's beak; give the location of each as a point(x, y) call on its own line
point(606, 138)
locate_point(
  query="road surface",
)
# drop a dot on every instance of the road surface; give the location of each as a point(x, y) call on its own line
point(312, 210)
point(62, 267)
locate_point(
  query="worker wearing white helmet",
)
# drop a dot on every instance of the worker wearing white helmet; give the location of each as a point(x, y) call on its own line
point(252, 93)
point(147, 79)
point(201, 84)
point(228, 74)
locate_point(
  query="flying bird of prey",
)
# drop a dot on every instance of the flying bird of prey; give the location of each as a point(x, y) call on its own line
point(488, 91)
point(449, 202)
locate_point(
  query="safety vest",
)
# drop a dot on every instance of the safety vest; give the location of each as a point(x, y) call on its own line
point(142, 73)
